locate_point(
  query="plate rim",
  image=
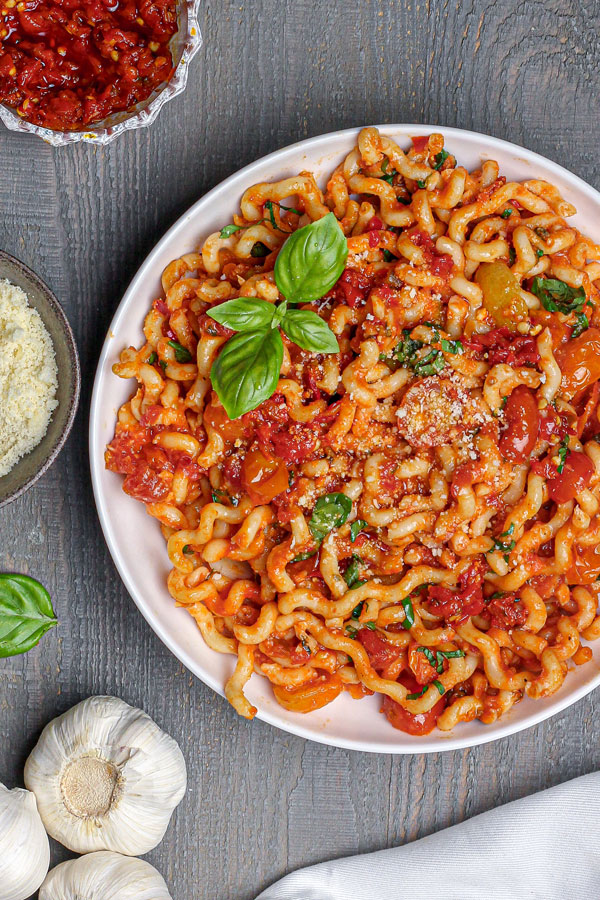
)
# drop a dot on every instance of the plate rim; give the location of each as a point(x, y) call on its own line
point(440, 743)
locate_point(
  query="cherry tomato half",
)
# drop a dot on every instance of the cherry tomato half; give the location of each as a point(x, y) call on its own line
point(411, 723)
point(579, 362)
point(523, 420)
point(263, 477)
point(308, 697)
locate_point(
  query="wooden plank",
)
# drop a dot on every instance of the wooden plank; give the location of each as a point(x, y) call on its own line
point(261, 802)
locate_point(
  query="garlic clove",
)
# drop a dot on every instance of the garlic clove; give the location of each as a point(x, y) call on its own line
point(24, 847)
point(104, 876)
point(106, 777)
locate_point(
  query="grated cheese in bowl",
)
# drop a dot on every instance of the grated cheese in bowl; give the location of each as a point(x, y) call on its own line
point(28, 376)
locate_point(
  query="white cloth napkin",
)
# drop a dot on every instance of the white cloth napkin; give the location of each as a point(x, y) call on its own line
point(546, 846)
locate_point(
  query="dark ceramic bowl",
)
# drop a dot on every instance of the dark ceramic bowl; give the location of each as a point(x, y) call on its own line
point(30, 467)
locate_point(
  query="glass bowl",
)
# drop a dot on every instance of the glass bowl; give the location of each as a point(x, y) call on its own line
point(184, 45)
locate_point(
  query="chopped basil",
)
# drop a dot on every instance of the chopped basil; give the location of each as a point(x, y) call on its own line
point(439, 686)
point(506, 213)
point(163, 364)
point(371, 626)
point(539, 253)
point(428, 655)
point(329, 512)
point(451, 346)
point(496, 595)
point(509, 531)
point(188, 550)
point(230, 229)
point(388, 257)
point(416, 696)
point(218, 496)
point(405, 351)
point(259, 249)
point(352, 573)
point(563, 449)
point(357, 526)
point(432, 363)
point(420, 184)
point(302, 556)
point(557, 296)
point(358, 609)
point(152, 358)
point(409, 613)
point(182, 355)
point(440, 159)
point(503, 546)
point(504, 402)
point(581, 325)
point(352, 632)
point(512, 255)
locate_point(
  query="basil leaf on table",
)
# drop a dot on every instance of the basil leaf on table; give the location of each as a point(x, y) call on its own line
point(309, 331)
point(311, 260)
point(246, 370)
point(557, 296)
point(330, 512)
point(243, 314)
point(26, 614)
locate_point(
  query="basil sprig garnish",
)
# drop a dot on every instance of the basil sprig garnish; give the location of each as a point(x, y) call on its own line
point(330, 512)
point(26, 614)
point(247, 369)
point(557, 296)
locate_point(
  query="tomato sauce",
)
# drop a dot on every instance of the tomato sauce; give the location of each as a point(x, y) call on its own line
point(71, 63)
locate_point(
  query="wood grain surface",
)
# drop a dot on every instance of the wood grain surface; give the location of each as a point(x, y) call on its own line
point(260, 802)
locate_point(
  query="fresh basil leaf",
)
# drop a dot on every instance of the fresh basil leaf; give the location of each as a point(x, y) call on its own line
point(329, 512)
point(243, 314)
point(439, 686)
point(357, 526)
point(246, 370)
point(230, 229)
point(557, 296)
point(279, 314)
point(182, 355)
point(188, 550)
point(309, 331)
point(311, 260)
point(506, 213)
point(26, 614)
point(259, 249)
point(152, 358)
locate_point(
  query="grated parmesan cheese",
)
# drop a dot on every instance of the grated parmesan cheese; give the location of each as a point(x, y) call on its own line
point(28, 377)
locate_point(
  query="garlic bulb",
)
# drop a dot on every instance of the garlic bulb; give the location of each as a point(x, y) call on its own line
point(104, 876)
point(24, 847)
point(106, 778)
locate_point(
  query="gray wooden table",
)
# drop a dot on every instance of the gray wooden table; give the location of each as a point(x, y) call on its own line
point(260, 802)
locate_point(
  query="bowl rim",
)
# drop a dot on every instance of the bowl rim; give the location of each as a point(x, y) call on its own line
point(75, 372)
point(104, 134)
point(436, 742)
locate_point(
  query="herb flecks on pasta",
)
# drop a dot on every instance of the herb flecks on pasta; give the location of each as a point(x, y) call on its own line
point(405, 496)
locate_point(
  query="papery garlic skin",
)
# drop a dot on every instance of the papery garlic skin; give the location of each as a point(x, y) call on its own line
point(104, 876)
point(106, 777)
point(24, 847)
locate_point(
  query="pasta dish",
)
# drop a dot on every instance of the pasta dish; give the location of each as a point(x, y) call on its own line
point(367, 421)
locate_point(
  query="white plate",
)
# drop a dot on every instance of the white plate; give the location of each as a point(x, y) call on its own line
point(134, 539)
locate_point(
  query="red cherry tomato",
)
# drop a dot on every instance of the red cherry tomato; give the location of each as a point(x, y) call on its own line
point(579, 362)
point(411, 723)
point(381, 653)
point(523, 420)
point(575, 476)
point(585, 567)
point(263, 477)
